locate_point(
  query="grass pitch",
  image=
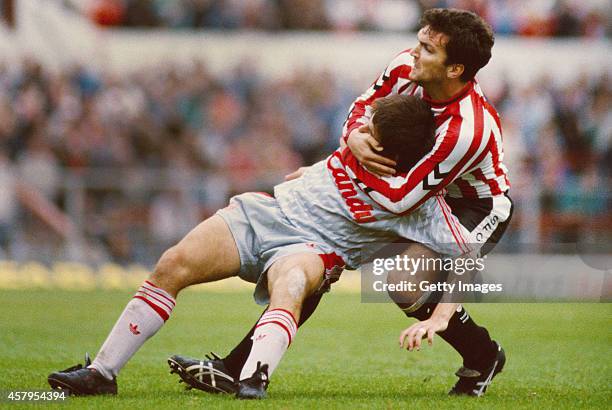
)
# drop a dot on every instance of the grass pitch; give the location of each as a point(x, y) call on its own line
point(346, 356)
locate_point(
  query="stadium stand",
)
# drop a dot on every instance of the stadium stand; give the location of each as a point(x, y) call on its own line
point(541, 18)
point(134, 158)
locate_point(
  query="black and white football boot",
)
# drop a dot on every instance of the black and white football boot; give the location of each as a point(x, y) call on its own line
point(474, 382)
point(80, 380)
point(209, 375)
point(255, 386)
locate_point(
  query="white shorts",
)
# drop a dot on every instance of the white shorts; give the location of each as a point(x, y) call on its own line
point(263, 235)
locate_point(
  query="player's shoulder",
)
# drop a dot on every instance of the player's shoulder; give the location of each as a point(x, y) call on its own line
point(474, 98)
point(403, 58)
point(400, 67)
point(486, 104)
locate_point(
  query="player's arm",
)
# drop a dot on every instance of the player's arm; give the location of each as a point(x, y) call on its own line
point(367, 150)
point(358, 138)
point(411, 337)
point(403, 193)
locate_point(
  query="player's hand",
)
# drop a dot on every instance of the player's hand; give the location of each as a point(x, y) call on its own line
point(411, 338)
point(366, 149)
point(296, 174)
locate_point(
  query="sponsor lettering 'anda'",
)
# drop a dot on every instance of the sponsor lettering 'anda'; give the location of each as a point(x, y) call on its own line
point(360, 211)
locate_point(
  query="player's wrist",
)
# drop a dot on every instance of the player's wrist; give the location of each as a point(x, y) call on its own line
point(443, 312)
point(442, 322)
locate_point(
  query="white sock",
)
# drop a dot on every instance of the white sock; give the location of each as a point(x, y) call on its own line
point(273, 335)
point(143, 316)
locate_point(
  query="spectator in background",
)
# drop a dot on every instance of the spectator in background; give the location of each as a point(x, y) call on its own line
point(566, 20)
point(8, 203)
point(108, 12)
point(38, 167)
point(140, 13)
point(173, 214)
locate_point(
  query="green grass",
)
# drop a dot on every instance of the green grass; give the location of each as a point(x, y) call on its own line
point(559, 355)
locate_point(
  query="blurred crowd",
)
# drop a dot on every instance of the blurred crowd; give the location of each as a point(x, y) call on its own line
point(558, 143)
point(590, 18)
point(217, 136)
point(139, 160)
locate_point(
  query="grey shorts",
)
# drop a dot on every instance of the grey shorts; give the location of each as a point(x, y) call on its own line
point(263, 235)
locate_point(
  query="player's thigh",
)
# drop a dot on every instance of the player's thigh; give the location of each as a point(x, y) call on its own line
point(207, 253)
point(293, 278)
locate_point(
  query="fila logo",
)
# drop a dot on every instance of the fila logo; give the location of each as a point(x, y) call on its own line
point(489, 226)
point(134, 329)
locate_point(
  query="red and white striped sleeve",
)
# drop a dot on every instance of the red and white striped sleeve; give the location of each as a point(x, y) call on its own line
point(460, 142)
point(392, 80)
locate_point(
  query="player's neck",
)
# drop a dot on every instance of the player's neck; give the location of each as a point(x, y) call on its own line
point(445, 90)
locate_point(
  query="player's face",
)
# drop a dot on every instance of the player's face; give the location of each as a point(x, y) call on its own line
point(429, 57)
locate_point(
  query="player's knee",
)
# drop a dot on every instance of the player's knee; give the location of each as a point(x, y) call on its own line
point(289, 283)
point(171, 270)
point(289, 289)
point(400, 291)
point(297, 284)
point(411, 297)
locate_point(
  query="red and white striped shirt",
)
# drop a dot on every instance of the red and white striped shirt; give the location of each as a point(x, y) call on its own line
point(466, 159)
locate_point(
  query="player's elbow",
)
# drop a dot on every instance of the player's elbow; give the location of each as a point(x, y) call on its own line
point(395, 207)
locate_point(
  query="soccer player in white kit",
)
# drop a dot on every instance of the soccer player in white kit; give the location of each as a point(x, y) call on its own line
point(289, 251)
point(464, 173)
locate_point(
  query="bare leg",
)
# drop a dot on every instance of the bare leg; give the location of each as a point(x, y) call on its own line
point(290, 281)
point(206, 254)
point(235, 360)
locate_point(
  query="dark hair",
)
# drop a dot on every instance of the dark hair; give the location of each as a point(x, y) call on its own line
point(406, 129)
point(470, 38)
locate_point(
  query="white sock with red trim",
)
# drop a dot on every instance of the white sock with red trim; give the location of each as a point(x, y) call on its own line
point(143, 316)
point(273, 335)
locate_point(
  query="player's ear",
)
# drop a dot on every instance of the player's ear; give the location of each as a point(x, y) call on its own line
point(454, 71)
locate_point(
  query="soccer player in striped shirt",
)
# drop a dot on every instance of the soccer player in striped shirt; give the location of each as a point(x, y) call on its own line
point(465, 168)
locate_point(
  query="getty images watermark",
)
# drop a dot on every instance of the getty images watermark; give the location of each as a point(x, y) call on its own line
point(567, 274)
point(411, 267)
